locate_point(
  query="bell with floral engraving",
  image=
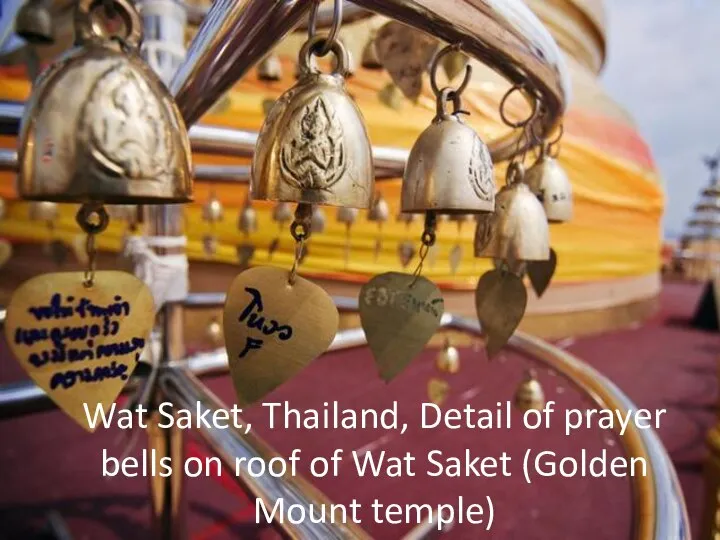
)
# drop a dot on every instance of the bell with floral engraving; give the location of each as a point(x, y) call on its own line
point(313, 147)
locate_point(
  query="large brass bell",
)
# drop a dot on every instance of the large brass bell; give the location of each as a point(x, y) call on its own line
point(547, 179)
point(33, 23)
point(449, 169)
point(101, 126)
point(518, 229)
point(313, 147)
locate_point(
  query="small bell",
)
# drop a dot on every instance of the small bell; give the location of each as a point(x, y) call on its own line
point(548, 180)
point(270, 69)
point(247, 220)
point(406, 217)
point(44, 211)
point(210, 244)
point(518, 229)
point(33, 23)
point(212, 212)
point(529, 394)
point(379, 211)
point(347, 216)
point(214, 333)
point(449, 169)
point(313, 147)
point(448, 359)
point(406, 252)
point(101, 126)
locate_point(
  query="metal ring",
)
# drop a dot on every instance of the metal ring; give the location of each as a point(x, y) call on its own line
point(85, 214)
point(334, 27)
point(434, 66)
point(299, 231)
point(337, 48)
point(87, 29)
point(445, 95)
point(428, 238)
point(515, 172)
point(523, 123)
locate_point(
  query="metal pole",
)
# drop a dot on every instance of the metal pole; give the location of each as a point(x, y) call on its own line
point(164, 49)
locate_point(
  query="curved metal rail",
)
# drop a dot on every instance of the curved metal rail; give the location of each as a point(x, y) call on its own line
point(659, 506)
point(504, 34)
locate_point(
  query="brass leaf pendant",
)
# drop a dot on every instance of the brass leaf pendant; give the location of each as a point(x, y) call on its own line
point(541, 273)
point(406, 54)
point(500, 300)
point(438, 391)
point(80, 344)
point(399, 314)
point(274, 329)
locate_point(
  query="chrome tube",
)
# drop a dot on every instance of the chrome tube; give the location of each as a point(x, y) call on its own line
point(184, 390)
point(233, 37)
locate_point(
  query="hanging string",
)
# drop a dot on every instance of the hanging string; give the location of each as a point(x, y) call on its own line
point(428, 240)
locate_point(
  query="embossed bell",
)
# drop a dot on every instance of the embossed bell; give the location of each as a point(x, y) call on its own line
point(449, 169)
point(547, 179)
point(313, 147)
point(33, 23)
point(529, 394)
point(518, 229)
point(101, 126)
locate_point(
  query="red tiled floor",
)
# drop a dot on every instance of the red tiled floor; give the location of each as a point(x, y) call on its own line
point(49, 464)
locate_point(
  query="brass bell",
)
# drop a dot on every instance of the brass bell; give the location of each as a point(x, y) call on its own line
point(549, 181)
point(448, 359)
point(313, 147)
point(212, 211)
point(529, 394)
point(33, 23)
point(2, 208)
point(101, 126)
point(449, 169)
point(518, 229)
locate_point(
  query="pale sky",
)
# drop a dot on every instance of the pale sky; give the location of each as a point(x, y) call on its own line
point(664, 66)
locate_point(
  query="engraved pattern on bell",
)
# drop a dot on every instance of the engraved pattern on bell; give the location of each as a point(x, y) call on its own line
point(101, 126)
point(449, 170)
point(548, 180)
point(313, 146)
point(312, 156)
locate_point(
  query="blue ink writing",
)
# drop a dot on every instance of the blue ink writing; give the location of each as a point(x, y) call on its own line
point(253, 318)
point(68, 344)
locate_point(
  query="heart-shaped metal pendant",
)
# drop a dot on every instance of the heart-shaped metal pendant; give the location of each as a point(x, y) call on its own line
point(399, 314)
point(438, 391)
point(273, 329)
point(500, 300)
point(80, 344)
point(541, 273)
point(406, 54)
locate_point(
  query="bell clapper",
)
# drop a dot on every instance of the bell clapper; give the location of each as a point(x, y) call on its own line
point(93, 219)
point(428, 241)
point(300, 229)
point(212, 213)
